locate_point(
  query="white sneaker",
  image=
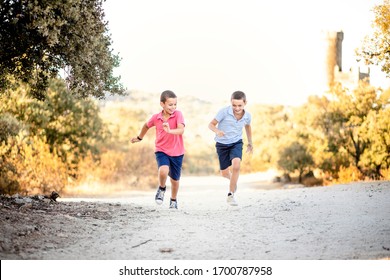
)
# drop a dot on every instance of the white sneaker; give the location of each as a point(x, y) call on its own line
point(173, 204)
point(231, 201)
point(160, 196)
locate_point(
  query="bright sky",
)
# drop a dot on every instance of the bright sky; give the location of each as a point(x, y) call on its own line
point(271, 50)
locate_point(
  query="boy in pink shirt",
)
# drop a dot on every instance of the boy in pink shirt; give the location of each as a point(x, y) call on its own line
point(169, 144)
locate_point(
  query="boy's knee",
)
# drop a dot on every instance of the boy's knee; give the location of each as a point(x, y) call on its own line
point(164, 169)
point(236, 168)
point(236, 163)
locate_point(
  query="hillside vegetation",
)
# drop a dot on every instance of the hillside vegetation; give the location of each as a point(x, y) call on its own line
point(82, 145)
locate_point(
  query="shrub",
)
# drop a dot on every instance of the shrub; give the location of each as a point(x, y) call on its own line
point(349, 174)
point(30, 167)
point(9, 126)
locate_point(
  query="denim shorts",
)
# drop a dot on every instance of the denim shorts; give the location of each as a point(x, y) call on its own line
point(174, 163)
point(227, 152)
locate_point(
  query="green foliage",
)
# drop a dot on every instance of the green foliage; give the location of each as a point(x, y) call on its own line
point(44, 141)
point(9, 126)
point(8, 171)
point(347, 113)
point(376, 130)
point(295, 157)
point(40, 38)
point(71, 127)
point(315, 131)
point(347, 128)
point(343, 130)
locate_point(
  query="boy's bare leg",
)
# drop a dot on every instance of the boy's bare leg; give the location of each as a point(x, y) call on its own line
point(163, 175)
point(232, 176)
point(236, 162)
point(174, 188)
point(226, 173)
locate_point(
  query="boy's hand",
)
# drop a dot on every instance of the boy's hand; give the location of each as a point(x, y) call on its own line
point(220, 133)
point(166, 127)
point(249, 149)
point(135, 140)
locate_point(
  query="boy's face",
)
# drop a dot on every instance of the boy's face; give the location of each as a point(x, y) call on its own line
point(238, 105)
point(169, 106)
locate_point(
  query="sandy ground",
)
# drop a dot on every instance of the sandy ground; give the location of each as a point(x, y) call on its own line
point(272, 222)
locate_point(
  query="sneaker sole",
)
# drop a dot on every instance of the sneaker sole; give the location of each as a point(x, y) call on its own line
point(159, 201)
point(232, 203)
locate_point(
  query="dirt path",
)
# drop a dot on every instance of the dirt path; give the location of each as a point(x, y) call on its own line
point(340, 222)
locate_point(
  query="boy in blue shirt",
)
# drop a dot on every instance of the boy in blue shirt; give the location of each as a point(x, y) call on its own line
point(227, 126)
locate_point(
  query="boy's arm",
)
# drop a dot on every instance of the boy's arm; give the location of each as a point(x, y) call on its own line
point(141, 135)
point(213, 128)
point(248, 130)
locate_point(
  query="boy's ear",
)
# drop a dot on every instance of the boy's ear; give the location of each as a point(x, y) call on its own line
point(161, 104)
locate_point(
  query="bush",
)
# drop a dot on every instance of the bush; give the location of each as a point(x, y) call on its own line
point(28, 166)
point(349, 174)
point(386, 173)
point(9, 126)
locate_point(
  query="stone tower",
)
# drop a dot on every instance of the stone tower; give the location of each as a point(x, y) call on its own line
point(333, 55)
point(334, 71)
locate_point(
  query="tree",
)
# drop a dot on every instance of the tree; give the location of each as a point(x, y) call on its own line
point(272, 125)
point(295, 158)
point(41, 39)
point(377, 132)
point(376, 47)
point(346, 122)
point(71, 127)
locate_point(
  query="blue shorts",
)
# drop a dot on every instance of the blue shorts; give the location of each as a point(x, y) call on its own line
point(227, 152)
point(174, 164)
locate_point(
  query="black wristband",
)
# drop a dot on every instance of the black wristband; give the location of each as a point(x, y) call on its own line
point(139, 138)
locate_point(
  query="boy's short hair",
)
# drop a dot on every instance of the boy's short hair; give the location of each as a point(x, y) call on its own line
point(167, 94)
point(239, 95)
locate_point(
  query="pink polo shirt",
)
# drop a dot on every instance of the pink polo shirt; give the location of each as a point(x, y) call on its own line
point(170, 144)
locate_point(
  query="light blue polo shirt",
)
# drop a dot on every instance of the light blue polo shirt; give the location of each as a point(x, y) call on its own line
point(232, 127)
